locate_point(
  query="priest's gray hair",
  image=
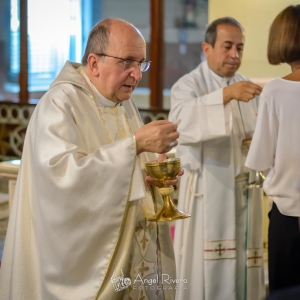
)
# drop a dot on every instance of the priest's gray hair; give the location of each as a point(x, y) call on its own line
point(98, 39)
point(211, 31)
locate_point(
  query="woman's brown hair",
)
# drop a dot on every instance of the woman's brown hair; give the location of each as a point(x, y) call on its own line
point(284, 37)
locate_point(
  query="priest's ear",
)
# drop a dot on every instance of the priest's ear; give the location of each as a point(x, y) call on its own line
point(93, 62)
point(206, 47)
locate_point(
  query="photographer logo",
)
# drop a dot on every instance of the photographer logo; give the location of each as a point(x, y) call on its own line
point(120, 283)
point(167, 283)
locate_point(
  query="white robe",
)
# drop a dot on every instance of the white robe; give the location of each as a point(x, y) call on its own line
point(72, 232)
point(219, 249)
point(276, 144)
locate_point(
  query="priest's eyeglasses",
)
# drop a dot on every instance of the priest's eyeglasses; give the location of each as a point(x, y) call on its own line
point(130, 63)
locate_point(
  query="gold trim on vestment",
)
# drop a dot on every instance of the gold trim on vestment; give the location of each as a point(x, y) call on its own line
point(219, 258)
point(254, 249)
point(126, 207)
point(208, 241)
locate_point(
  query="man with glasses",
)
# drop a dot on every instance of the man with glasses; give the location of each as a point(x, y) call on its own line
point(219, 250)
point(78, 228)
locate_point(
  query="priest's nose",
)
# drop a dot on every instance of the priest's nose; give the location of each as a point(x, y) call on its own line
point(234, 53)
point(136, 73)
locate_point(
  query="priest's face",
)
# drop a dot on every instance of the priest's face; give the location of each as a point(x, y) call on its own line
point(119, 70)
point(226, 55)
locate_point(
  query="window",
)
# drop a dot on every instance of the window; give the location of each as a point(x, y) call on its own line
point(54, 36)
point(58, 31)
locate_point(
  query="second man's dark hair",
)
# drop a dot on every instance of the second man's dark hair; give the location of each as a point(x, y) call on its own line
point(211, 31)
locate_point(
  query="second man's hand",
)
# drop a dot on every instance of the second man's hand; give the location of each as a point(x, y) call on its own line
point(242, 91)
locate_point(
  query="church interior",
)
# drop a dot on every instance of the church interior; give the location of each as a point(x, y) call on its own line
point(32, 52)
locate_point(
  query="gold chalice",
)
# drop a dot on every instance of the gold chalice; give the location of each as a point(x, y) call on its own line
point(162, 171)
point(259, 176)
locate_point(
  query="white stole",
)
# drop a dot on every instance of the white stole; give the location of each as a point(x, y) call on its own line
point(221, 166)
point(147, 251)
point(219, 187)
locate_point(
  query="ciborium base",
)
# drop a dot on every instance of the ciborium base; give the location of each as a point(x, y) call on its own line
point(169, 211)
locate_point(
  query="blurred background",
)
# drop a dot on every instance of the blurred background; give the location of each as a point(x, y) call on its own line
point(54, 31)
point(38, 36)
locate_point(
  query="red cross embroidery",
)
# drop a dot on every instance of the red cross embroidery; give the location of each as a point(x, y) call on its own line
point(220, 249)
point(255, 257)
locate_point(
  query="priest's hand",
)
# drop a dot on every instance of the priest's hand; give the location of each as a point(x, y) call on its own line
point(242, 91)
point(157, 137)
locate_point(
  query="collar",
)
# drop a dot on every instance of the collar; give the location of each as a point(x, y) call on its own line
point(99, 98)
point(220, 79)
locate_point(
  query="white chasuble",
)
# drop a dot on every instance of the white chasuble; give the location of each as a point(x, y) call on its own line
point(73, 234)
point(214, 249)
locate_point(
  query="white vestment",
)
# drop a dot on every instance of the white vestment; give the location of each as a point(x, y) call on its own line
point(73, 233)
point(219, 250)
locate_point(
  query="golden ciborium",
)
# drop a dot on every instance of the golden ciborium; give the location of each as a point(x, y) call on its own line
point(162, 171)
point(259, 176)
